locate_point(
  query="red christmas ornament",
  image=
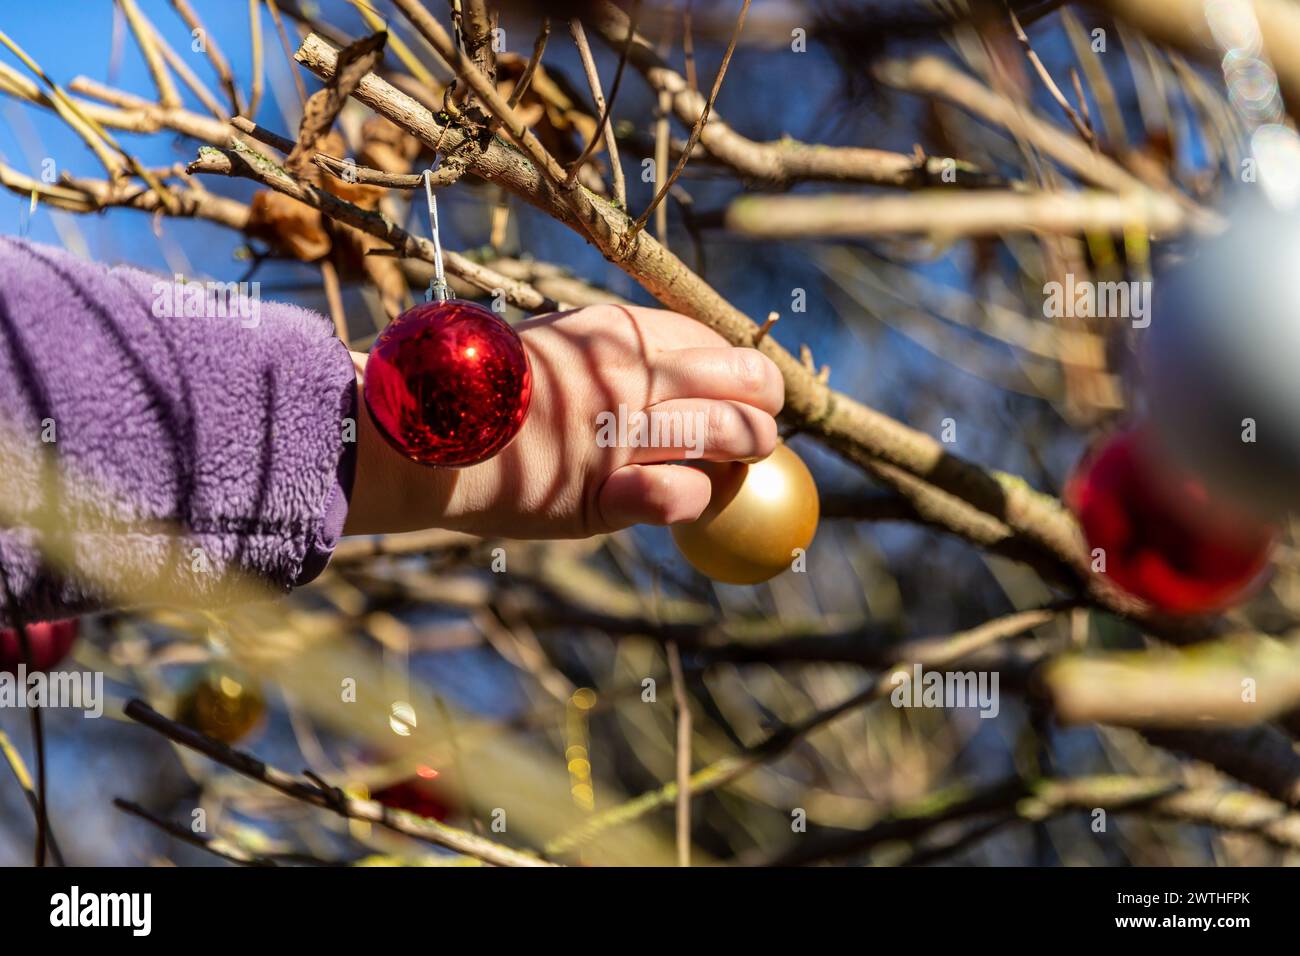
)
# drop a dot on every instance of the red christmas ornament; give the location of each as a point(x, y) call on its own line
point(49, 642)
point(448, 383)
point(1163, 537)
point(419, 795)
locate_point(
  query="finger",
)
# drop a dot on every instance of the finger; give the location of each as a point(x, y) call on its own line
point(652, 494)
point(697, 429)
point(682, 330)
point(742, 375)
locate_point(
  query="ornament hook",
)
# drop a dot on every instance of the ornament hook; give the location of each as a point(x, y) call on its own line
point(438, 290)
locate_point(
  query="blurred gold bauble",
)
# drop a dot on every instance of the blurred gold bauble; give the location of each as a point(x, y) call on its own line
point(222, 702)
point(758, 515)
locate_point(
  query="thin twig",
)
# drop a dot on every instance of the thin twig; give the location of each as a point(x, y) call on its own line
point(153, 58)
point(38, 744)
point(683, 705)
point(783, 162)
point(688, 47)
point(526, 78)
point(334, 296)
point(42, 779)
point(219, 63)
point(465, 67)
point(318, 795)
point(932, 654)
point(218, 847)
point(605, 125)
point(94, 134)
point(288, 52)
point(1055, 91)
point(241, 160)
point(255, 42)
point(24, 780)
point(663, 142)
point(696, 129)
point(188, 77)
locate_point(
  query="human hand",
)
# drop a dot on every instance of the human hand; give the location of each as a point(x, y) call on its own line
point(561, 477)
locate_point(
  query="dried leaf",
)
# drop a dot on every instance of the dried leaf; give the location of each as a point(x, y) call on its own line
point(322, 107)
point(359, 194)
point(552, 111)
point(385, 145)
point(292, 227)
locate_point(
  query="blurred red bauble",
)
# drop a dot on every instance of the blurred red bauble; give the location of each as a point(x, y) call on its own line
point(49, 642)
point(1163, 537)
point(419, 794)
point(448, 383)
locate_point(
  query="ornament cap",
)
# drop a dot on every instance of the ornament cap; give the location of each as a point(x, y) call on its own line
point(438, 291)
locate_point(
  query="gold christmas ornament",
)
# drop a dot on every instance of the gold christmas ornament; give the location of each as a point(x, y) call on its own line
point(758, 515)
point(222, 702)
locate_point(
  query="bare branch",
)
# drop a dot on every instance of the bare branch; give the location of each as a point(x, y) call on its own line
point(258, 67)
point(990, 509)
point(287, 47)
point(153, 58)
point(1183, 24)
point(218, 60)
point(526, 78)
point(937, 653)
point(683, 704)
point(948, 215)
point(778, 164)
point(1238, 681)
point(241, 160)
point(700, 122)
point(1262, 757)
point(604, 125)
point(407, 824)
point(1055, 91)
point(196, 86)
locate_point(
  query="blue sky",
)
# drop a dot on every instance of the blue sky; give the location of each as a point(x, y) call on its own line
point(28, 135)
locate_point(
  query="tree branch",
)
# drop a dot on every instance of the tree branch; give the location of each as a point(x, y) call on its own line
point(371, 811)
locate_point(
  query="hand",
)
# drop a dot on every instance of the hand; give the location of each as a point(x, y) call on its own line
point(556, 479)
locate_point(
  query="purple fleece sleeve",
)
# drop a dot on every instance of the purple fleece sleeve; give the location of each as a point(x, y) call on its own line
point(161, 448)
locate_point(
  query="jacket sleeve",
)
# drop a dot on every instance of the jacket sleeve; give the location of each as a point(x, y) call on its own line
point(162, 442)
